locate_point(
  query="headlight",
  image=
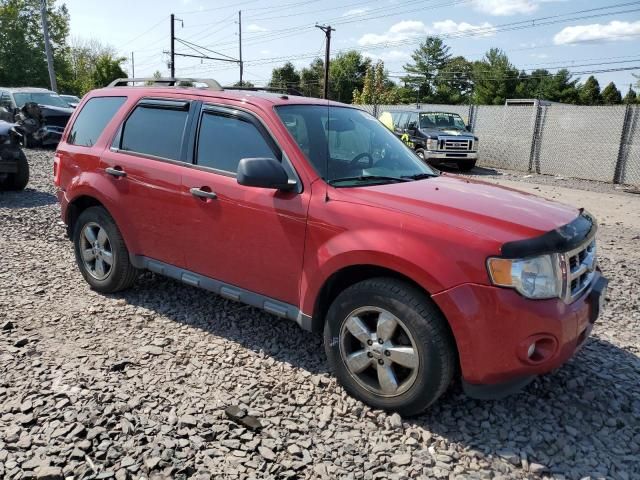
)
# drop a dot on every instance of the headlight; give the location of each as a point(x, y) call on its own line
point(432, 144)
point(537, 277)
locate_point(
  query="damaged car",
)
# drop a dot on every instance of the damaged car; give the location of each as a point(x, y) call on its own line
point(39, 112)
point(14, 168)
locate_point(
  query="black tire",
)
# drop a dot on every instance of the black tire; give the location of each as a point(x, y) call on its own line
point(433, 343)
point(466, 165)
point(421, 155)
point(122, 274)
point(18, 180)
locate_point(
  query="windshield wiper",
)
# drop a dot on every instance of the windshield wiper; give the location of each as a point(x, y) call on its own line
point(420, 176)
point(363, 178)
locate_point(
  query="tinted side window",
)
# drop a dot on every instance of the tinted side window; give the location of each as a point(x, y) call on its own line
point(402, 121)
point(154, 131)
point(5, 101)
point(413, 121)
point(92, 120)
point(223, 141)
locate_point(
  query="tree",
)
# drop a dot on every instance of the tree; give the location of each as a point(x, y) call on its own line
point(431, 55)
point(22, 58)
point(346, 74)
point(611, 95)
point(285, 77)
point(428, 59)
point(590, 92)
point(244, 83)
point(312, 79)
point(107, 69)
point(454, 81)
point(631, 97)
point(495, 78)
point(377, 88)
point(542, 84)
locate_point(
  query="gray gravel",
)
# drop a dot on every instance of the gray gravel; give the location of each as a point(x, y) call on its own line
point(136, 384)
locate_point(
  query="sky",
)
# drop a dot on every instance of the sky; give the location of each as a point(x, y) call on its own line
point(584, 36)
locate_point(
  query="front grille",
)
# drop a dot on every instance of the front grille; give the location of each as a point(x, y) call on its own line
point(56, 120)
point(456, 144)
point(580, 269)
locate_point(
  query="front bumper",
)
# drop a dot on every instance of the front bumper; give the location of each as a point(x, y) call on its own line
point(494, 327)
point(48, 135)
point(449, 157)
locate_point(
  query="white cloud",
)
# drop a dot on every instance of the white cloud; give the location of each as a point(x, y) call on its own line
point(388, 56)
point(451, 27)
point(505, 7)
point(355, 11)
point(408, 29)
point(539, 55)
point(252, 27)
point(611, 31)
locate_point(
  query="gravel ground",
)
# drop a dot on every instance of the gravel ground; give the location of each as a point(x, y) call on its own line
point(136, 384)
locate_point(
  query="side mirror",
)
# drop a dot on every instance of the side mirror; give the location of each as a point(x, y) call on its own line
point(263, 173)
point(467, 128)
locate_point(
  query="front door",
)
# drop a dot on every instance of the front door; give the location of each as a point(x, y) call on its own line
point(145, 164)
point(252, 238)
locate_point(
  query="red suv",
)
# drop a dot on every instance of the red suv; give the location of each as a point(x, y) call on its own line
point(314, 211)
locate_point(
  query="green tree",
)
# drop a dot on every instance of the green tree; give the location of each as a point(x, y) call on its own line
point(377, 88)
point(495, 78)
point(590, 92)
point(542, 84)
point(631, 97)
point(346, 74)
point(107, 69)
point(244, 83)
point(428, 59)
point(611, 95)
point(312, 79)
point(285, 77)
point(454, 81)
point(22, 58)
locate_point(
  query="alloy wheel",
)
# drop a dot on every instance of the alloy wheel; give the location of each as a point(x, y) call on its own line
point(379, 351)
point(96, 252)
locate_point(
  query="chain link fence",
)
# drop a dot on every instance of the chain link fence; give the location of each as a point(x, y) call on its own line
point(594, 143)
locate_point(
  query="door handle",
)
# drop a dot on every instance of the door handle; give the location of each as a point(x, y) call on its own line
point(115, 172)
point(198, 192)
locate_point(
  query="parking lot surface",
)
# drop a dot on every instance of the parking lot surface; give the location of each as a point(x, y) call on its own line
point(135, 384)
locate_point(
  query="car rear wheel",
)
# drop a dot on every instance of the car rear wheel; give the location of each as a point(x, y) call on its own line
point(100, 251)
point(389, 345)
point(466, 165)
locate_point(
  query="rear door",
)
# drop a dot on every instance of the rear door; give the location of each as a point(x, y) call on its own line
point(248, 237)
point(145, 163)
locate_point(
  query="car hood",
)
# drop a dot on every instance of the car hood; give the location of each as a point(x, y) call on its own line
point(51, 111)
point(484, 209)
point(434, 132)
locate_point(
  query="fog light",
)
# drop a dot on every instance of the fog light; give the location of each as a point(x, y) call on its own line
point(531, 350)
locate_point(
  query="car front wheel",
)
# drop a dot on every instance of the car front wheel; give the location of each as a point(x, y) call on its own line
point(389, 345)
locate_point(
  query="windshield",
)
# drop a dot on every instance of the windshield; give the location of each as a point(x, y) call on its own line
point(70, 98)
point(349, 147)
point(41, 98)
point(441, 121)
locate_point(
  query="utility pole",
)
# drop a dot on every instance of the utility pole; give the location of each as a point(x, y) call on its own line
point(240, 43)
point(47, 46)
point(133, 67)
point(173, 50)
point(327, 32)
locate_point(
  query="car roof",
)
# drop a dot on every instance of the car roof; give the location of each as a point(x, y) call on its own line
point(249, 96)
point(26, 90)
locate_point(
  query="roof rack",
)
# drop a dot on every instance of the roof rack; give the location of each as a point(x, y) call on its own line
point(286, 90)
point(167, 82)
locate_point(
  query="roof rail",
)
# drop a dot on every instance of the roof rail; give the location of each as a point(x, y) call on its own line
point(167, 82)
point(286, 90)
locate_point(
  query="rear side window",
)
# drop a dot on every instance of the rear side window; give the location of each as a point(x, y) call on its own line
point(155, 131)
point(224, 141)
point(92, 119)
